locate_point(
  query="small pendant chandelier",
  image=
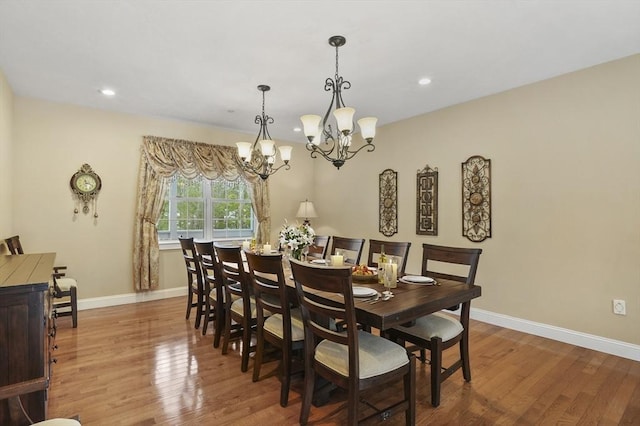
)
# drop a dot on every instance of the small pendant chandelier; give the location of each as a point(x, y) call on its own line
point(261, 161)
point(337, 142)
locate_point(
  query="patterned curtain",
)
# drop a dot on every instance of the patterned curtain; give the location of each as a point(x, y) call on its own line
point(162, 158)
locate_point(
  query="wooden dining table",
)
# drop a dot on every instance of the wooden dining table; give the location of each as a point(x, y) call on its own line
point(409, 301)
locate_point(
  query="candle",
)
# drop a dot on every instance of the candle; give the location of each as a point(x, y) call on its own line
point(337, 260)
point(391, 273)
point(266, 249)
point(246, 245)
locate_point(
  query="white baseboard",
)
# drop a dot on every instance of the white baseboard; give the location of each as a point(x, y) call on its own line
point(590, 341)
point(584, 340)
point(125, 299)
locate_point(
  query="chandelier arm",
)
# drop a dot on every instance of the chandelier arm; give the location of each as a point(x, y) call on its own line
point(350, 154)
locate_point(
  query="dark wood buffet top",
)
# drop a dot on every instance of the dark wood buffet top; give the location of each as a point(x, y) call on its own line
point(17, 271)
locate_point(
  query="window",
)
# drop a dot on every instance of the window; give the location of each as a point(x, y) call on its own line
point(206, 209)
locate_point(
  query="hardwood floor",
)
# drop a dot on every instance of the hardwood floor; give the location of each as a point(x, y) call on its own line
point(144, 364)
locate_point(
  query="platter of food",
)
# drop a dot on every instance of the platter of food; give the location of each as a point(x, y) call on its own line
point(364, 273)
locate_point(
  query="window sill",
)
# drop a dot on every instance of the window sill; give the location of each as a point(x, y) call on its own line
point(175, 245)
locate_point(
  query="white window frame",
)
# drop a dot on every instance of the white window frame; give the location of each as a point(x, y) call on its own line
point(208, 232)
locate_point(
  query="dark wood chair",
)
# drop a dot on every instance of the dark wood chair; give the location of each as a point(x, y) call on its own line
point(213, 291)
point(354, 359)
point(62, 286)
point(393, 248)
point(277, 323)
point(240, 305)
point(319, 248)
point(353, 246)
point(439, 331)
point(17, 411)
point(195, 282)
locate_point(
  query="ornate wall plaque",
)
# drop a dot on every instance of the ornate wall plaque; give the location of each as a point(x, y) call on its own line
point(427, 201)
point(388, 202)
point(476, 198)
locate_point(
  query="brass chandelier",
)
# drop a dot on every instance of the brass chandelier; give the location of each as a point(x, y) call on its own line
point(337, 142)
point(261, 160)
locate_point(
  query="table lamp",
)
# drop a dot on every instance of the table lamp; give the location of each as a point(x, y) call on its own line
point(306, 210)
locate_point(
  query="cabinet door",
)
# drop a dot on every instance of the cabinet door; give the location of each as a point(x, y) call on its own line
point(22, 351)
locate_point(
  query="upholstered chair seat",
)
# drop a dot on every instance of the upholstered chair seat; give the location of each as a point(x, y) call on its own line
point(273, 325)
point(435, 325)
point(376, 356)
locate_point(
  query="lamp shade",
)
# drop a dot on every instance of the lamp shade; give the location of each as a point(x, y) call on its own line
point(306, 210)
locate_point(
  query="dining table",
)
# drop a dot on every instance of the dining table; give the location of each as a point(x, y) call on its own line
point(410, 301)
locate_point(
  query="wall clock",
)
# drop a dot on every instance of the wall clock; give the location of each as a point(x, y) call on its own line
point(86, 184)
point(388, 202)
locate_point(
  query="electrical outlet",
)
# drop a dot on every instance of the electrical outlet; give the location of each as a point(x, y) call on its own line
point(619, 307)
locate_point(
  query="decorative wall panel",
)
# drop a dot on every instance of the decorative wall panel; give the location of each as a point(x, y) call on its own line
point(476, 198)
point(427, 201)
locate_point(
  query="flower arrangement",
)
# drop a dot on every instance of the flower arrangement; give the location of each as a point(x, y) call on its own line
point(294, 238)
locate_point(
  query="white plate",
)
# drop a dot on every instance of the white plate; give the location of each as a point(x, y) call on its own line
point(319, 261)
point(363, 292)
point(418, 279)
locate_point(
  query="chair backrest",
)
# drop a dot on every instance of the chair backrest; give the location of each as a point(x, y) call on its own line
point(353, 245)
point(270, 288)
point(452, 255)
point(13, 244)
point(209, 266)
point(393, 248)
point(319, 247)
point(316, 315)
point(191, 261)
point(234, 276)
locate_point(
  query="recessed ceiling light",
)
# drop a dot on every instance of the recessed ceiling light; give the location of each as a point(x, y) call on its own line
point(108, 92)
point(297, 129)
point(424, 81)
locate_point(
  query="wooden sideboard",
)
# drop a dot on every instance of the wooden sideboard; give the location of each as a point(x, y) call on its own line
point(27, 328)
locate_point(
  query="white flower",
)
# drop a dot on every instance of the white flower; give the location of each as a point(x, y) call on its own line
point(296, 237)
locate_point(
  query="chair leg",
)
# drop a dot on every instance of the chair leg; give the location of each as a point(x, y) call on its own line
point(246, 345)
point(257, 362)
point(219, 324)
point(410, 392)
point(198, 309)
point(74, 306)
point(436, 370)
point(227, 330)
point(286, 376)
point(307, 395)
point(464, 356)
point(207, 314)
point(189, 301)
point(352, 405)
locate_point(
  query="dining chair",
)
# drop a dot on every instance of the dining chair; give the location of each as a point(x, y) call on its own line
point(213, 291)
point(18, 413)
point(438, 331)
point(63, 287)
point(353, 246)
point(240, 304)
point(195, 284)
point(277, 323)
point(393, 248)
point(320, 246)
point(352, 359)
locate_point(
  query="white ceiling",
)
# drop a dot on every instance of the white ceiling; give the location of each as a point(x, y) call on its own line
point(202, 60)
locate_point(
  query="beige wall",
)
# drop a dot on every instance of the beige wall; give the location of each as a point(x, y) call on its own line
point(6, 122)
point(53, 140)
point(565, 155)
